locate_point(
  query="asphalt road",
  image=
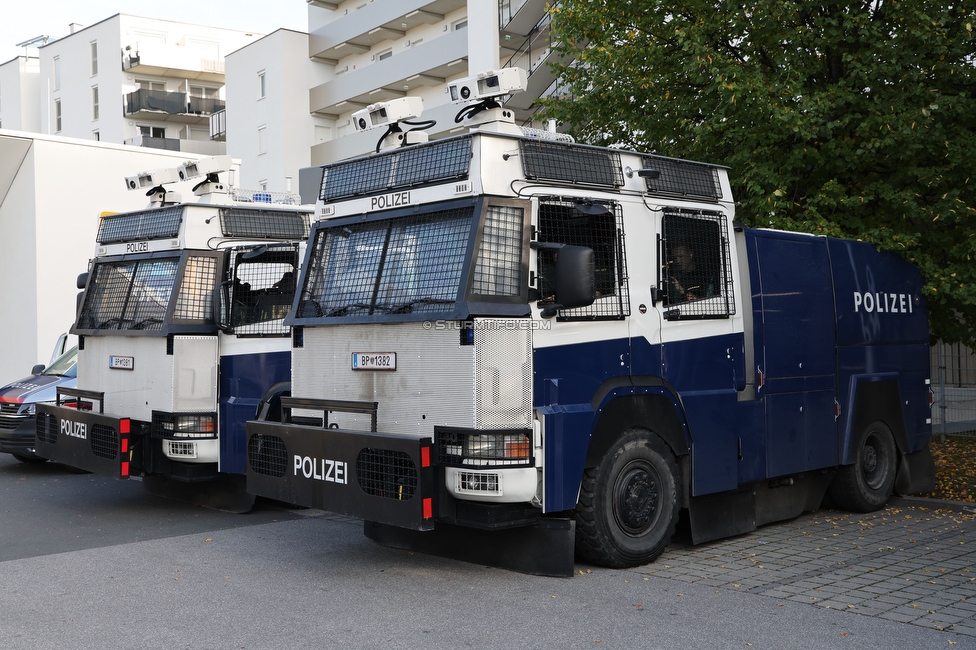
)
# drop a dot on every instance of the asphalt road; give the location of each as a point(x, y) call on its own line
point(87, 562)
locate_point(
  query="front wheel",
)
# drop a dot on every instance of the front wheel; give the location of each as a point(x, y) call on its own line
point(866, 484)
point(628, 504)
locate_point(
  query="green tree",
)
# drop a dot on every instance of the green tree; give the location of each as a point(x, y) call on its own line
point(851, 119)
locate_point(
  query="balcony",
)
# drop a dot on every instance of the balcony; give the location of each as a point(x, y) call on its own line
point(202, 147)
point(519, 17)
point(376, 22)
point(428, 64)
point(534, 56)
point(171, 106)
point(174, 61)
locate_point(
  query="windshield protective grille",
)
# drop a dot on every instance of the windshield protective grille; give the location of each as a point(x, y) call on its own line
point(683, 178)
point(157, 223)
point(416, 165)
point(571, 163)
point(129, 295)
point(408, 265)
point(263, 224)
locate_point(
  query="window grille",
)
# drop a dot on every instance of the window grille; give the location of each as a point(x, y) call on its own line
point(682, 178)
point(129, 295)
point(399, 169)
point(598, 226)
point(499, 266)
point(696, 271)
point(156, 223)
point(573, 163)
point(263, 289)
point(391, 266)
point(195, 299)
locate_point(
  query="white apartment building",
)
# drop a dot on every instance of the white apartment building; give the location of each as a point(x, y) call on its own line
point(268, 123)
point(134, 80)
point(364, 51)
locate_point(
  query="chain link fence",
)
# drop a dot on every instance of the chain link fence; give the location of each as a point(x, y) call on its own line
point(954, 386)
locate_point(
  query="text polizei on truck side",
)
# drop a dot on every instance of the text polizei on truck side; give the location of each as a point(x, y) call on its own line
point(508, 345)
point(181, 335)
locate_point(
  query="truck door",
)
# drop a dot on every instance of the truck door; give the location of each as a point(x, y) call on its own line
point(700, 351)
point(795, 351)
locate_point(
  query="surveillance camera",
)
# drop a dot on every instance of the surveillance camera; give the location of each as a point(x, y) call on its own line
point(486, 85)
point(203, 167)
point(385, 113)
point(149, 179)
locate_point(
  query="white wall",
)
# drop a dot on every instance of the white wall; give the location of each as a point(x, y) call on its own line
point(289, 129)
point(19, 94)
point(49, 217)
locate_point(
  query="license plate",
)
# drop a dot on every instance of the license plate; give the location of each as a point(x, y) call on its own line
point(121, 363)
point(374, 360)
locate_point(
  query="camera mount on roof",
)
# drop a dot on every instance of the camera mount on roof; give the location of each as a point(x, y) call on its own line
point(392, 114)
point(487, 89)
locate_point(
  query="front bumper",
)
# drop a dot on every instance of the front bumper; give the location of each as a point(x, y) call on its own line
point(384, 478)
point(19, 441)
point(83, 439)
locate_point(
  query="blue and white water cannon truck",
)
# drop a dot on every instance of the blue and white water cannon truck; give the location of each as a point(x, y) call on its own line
point(509, 347)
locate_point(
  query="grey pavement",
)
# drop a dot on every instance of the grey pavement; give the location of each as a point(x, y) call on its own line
point(87, 562)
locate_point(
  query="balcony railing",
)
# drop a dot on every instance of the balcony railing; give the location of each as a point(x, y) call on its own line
point(144, 99)
point(170, 144)
point(205, 105)
point(171, 103)
point(218, 126)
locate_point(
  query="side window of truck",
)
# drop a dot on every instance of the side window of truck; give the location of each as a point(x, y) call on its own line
point(596, 225)
point(262, 290)
point(696, 274)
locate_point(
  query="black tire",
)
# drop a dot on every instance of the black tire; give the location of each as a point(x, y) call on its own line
point(628, 503)
point(29, 459)
point(866, 484)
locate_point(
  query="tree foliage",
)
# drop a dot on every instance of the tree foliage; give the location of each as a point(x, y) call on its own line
point(850, 119)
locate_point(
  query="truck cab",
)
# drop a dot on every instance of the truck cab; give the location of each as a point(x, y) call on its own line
point(181, 335)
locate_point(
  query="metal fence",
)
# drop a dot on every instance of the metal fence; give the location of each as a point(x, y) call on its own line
point(954, 385)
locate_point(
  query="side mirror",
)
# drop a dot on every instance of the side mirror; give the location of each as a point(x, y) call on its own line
point(38, 369)
point(82, 280)
point(575, 278)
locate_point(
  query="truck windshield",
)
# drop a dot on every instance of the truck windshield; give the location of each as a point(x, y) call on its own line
point(408, 265)
point(136, 294)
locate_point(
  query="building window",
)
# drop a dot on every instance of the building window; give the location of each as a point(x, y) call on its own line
point(94, 102)
point(152, 131)
point(204, 92)
point(57, 116)
point(94, 58)
point(385, 54)
point(95, 136)
point(262, 88)
point(262, 140)
point(150, 85)
point(57, 73)
point(459, 24)
point(263, 185)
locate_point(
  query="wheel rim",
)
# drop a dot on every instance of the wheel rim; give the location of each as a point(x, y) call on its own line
point(636, 498)
point(874, 462)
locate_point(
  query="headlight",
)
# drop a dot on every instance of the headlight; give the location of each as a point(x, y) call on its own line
point(484, 448)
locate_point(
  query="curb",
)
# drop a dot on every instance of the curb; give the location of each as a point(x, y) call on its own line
point(923, 502)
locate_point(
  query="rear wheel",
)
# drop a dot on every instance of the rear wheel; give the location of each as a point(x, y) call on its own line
point(866, 485)
point(628, 504)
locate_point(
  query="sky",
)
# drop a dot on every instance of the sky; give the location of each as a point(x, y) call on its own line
point(52, 17)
